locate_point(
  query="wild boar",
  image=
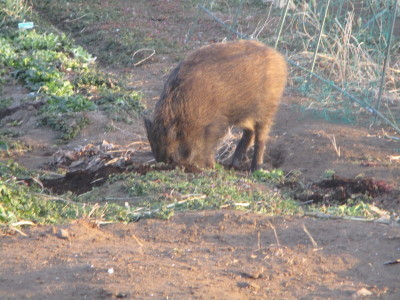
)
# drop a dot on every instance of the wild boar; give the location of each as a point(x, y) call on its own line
point(235, 83)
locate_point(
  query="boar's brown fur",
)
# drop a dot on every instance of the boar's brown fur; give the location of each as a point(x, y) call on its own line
point(235, 83)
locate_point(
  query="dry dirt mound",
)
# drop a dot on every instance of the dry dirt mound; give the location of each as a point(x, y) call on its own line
point(204, 255)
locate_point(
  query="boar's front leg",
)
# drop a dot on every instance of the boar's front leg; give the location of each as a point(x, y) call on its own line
point(210, 160)
point(261, 136)
point(242, 147)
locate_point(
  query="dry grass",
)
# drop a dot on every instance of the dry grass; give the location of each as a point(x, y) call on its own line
point(349, 55)
point(92, 157)
point(227, 145)
point(332, 139)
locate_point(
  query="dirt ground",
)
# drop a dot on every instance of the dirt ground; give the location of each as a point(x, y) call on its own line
point(212, 254)
point(204, 255)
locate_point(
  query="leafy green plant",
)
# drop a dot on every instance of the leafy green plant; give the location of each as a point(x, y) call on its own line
point(328, 173)
point(120, 104)
point(19, 202)
point(63, 104)
point(275, 175)
point(68, 124)
point(66, 77)
point(9, 146)
point(3, 146)
point(32, 40)
point(4, 103)
point(354, 208)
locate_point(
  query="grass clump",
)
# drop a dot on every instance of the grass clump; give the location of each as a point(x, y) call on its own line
point(166, 192)
point(159, 194)
point(9, 146)
point(162, 193)
point(12, 11)
point(350, 55)
point(358, 208)
point(24, 201)
point(20, 201)
point(23, 204)
point(275, 175)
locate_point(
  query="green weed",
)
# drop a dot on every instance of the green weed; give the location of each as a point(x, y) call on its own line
point(328, 173)
point(275, 176)
point(155, 194)
point(69, 125)
point(9, 147)
point(23, 199)
point(4, 103)
point(121, 105)
point(213, 189)
point(354, 208)
point(66, 77)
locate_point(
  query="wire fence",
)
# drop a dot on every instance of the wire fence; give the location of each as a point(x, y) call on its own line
point(350, 46)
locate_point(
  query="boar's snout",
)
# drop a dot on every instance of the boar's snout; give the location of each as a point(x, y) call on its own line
point(155, 141)
point(161, 142)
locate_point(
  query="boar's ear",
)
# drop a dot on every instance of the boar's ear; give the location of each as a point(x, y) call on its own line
point(148, 124)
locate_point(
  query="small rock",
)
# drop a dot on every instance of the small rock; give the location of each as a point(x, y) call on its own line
point(363, 292)
point(121, 295)
point(32, 95)
point(63, 234)
point(243, 284)
point(248, 285)
point(253, 274)
point(254, 285)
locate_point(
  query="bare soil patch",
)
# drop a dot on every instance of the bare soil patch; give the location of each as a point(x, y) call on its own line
point(203, 255)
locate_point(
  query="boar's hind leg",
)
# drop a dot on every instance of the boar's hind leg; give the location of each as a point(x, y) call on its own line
point(242, 147)
point(261, 136)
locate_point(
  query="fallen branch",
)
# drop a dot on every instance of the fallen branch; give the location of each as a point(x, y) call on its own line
point(19, 231)
point(20, 223)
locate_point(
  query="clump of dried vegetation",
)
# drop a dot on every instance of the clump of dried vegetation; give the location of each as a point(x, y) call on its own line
point(351, 54)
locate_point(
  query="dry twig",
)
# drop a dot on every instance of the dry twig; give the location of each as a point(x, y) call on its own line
point(143, 60)
point(313, 242)
point(332, 138)
point(137, 240)
point(276, 234)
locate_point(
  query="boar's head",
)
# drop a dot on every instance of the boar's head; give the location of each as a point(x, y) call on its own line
point(177, 145)
point(158, 141)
